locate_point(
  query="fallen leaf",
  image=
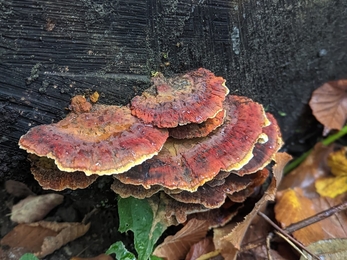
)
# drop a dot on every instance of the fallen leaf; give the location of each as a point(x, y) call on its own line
point(337, 161)
point(43, 238)
point(67, 232)
point(34, 208)
point(18, 189)
point(99, 257)
point(330, 249)
point(200, 248)
point(312, 168)
point(177, 246)
point(333, 186)
point(291, 207)
point(228, 239)
point(329, 104)
point(336, 225)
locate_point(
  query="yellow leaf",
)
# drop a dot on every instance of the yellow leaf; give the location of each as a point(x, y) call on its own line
point(337, 162)
point(331, 186)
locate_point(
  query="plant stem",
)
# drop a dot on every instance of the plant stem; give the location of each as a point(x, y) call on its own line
point(330, 139)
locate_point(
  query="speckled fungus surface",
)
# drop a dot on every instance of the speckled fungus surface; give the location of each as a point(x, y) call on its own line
point(191, 98)
point(105, 140)
point(189, 163)
point(198, 130)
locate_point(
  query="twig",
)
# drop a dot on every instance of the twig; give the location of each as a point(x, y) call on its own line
point(301, 224)
point(290, 243)
point(330, 139)
point(284, 233)
point(268, 245)
point(315, 218)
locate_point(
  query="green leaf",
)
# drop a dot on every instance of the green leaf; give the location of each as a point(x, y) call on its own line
point(28, 256)
point(121, 252)
point(145, 221)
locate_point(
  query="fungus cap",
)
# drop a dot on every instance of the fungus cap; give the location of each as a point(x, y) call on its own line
point(263, 153)
point(189, 163)
point(50, 177)
point(190, 98)
point(198, 130)
point(106, 140)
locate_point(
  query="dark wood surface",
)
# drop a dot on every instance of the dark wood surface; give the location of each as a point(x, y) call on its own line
point(274, 51)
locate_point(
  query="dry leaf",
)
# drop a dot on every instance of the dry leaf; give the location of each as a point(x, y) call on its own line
point(334, 186)
point(34, 208)
point(177, 246)
point(43, 238)
point(305, 175)
point(67, 232)
point(204, 246)
point(227, 250)
point(330, 249)
point(331, 186)
point(99, 257)
point(292, 206)
point(329, 104)
point(28, 237)
point(228, 239)
point(336, 225)
point(18, 189)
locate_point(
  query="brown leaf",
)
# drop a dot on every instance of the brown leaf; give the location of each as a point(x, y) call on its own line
point(228, 251)
point(34, 208)
point(329, 104)
point(305, 175)
point(99, 257)
point(26, 237)
point(202, 247)
point(236, 235)
point(67, 232)
point(177, 246)
point(18, 189)
point(228, 239)
point(292, 206)
point(43, 238)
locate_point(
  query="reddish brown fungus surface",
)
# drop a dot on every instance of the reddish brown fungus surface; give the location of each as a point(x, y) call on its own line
point(198, 130)
point(190, 98)
point(263, 153)
point(214, 197)
point(50, 177)
point(106, 140)
point(188, 164)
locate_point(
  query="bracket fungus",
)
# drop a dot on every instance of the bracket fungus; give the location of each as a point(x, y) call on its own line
point(191, 98)
point(189, 163)
point(105, 140)
point(218, 148)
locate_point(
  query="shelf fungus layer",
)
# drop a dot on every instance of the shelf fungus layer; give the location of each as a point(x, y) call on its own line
point(190, 98)
point(189, 163)
point(105, 140)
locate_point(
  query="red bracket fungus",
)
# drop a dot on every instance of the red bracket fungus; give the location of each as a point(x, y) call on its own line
point(188, 164)
point(216, 154)
point(198, 130)
point(191, 98)
point(106, 140)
